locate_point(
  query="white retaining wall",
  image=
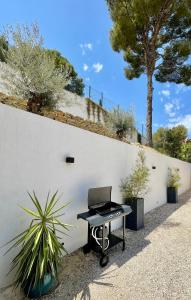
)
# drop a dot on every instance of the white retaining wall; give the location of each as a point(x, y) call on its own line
point(67, 101)
point(77, 106)
point(32, 157)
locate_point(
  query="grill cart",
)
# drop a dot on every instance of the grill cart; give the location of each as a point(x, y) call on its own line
point(103, 211)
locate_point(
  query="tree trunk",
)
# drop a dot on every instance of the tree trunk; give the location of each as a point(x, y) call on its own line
point(120, 133)
point(149, 109)
point(35, 103)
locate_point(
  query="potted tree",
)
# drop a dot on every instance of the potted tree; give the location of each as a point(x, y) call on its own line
point(133, 188)
point(173, 185)
point(40, 249)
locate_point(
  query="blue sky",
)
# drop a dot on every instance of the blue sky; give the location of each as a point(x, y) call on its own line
point(80, 31)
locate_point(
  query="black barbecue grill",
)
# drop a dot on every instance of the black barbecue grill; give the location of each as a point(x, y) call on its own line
point(101, 211)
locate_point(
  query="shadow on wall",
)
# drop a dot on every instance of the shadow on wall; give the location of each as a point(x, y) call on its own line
point(79, 270)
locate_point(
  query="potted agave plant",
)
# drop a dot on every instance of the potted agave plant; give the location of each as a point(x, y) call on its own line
point(172, 185)
point(40, 249)
point(133, 189)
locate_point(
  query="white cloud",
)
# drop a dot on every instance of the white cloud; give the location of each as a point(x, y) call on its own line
point(172, 114)
point(87, 79)
point(168, 107)
point(171, 108)
point(174, 120)
point(157, 125)
point(88, 46)
point(97, 67)
point(165, 93)
point(181, 88)
point(85, 47)
point(177, 104)
point(85, 67)
point(183, 120)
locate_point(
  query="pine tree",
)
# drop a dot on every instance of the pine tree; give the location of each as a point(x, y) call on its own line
point(154, 36)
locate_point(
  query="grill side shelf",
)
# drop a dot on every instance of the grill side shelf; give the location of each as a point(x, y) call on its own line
point(97, 220)
point(83, 216)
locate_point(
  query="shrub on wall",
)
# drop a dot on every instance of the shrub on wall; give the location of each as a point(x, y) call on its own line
point(31, 73)
point(120, 121)
point(76, 84)
point(3, 48)
point(94, 109)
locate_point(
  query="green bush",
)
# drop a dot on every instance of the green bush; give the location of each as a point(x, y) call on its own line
point(31, 73)
point(185, 153)
point(136, 184)
point(173, 178)
point(170, 140)
point(121, 121)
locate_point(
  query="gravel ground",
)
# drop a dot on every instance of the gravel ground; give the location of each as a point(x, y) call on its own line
point(155, 265)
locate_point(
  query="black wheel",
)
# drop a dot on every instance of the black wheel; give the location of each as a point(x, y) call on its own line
point(123, 248)
point(104, 260)
point(86, 249)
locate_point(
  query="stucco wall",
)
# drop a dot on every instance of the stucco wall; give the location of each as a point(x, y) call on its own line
point(78, 106)
point(32, 157)
point(72, 104)
point(67, 101)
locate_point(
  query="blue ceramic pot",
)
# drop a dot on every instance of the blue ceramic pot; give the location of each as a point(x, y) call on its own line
point(44, 287)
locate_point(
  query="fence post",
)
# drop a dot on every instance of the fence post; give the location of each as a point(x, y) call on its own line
point(89, 92)
point(142, 130)
point(101, 100)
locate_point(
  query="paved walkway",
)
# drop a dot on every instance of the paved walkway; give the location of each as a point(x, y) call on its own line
point(155, 265)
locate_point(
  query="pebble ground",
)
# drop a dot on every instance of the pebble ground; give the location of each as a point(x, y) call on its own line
point(155, 265)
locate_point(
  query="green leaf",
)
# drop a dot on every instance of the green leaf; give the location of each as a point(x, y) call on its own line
point(37, 238)
point(52, 203)
point(47, 200)
point(57, 210)
point(30, 212)
point(50, 242)
point(38, 205)
point(41, 250)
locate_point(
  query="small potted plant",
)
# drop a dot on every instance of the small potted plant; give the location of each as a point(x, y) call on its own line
point(40, 249)
point(133, 189)
point(173, 185)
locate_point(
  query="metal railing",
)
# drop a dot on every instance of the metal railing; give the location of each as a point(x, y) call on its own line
point(99, 98)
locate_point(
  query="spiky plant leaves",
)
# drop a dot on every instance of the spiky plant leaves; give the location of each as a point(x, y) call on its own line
point(41, 250)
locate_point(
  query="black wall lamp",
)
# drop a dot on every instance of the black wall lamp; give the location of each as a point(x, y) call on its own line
point(69, 160)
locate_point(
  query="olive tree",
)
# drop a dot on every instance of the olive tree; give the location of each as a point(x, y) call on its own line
point(120, 121)
point(3, 48)
point(76, 84)
point(30, 72)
